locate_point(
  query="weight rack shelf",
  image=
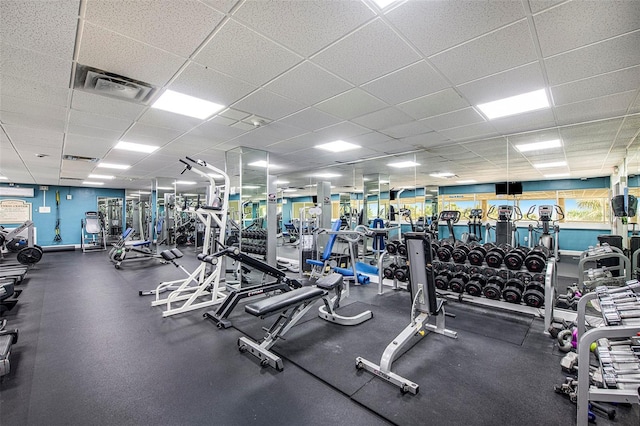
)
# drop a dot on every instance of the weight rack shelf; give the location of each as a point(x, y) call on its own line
point(593, 255)
point(623, 328)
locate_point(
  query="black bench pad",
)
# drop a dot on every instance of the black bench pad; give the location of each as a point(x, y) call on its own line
point(282, 301)
point(329, 282)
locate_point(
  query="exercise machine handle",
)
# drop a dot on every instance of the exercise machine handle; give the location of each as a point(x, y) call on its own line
point(187, 166)
point(491, 211)
point(530, 212)
point(518, 214)
point(559, 213)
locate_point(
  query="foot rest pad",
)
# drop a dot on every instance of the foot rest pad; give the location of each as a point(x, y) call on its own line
point(329, 282)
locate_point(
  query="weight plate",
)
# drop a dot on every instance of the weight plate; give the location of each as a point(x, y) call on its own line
point(29, 255)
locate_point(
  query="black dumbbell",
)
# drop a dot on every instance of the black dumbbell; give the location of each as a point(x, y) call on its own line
point(444, 252)
point(474, 270)
point(476, 255)
point(460, 253)
point(505, 274)
point(458, 267)
point(513, 289)
point(389, 271)
point(442, 279)
point(538, 277)
point(392, 247)
point(536, 259)
point(458, 282)
point(489, 272)
point(402, 249)
point(493, 288)
point(534, 294)
point(475, 284)
point(525, 277)
point(515, 258)
point(494, 257)
point(402, 273)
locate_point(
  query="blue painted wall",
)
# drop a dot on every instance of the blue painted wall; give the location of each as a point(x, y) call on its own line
point(543, 185)
point(71, 211)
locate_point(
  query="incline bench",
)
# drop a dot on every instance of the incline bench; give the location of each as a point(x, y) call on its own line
point(291, 306)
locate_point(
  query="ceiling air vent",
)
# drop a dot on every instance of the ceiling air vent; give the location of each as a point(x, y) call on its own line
point(109, 84)
point(80, 158)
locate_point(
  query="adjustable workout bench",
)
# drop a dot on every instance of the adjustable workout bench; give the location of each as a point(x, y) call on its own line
point(282, 283)
point(291, 307)
point(424, 303)
point(7, 339)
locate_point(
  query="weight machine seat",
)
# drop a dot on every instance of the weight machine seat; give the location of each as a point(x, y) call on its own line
point(329, 282)
point(279, 303)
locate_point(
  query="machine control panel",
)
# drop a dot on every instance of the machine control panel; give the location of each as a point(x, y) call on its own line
point(449, 215)
point(545, 212)
point(505, 212)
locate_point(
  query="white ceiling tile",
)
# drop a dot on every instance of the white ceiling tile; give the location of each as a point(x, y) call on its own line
point(215, 132)
point(234, 47)
point(34, 66)
point(434, 26)
point(169, 120)
point(508, 48)
point(342, 130)
point(602, 85)
point(89, 102)
point(93, 132)
point(516, 81)
point(148, 134)
point(610, 55)
point(409, 129)
point(85, 146)
point(32, 121)
point(178, 26)
point(578, 23)
point(539, 5)
point(268, 104)
point(47, 27)
point(435, 104)
point(463, 117)
point(604, 107)
point(20, 106)
point(224, 6)
point(83, 118)
point(33, 91)
point(370, 52)
point(369, 139)
point(113, 52)
point(425, 140)
point(416, 80)
point(351, 104)
point(383, 119)
point(211, 85)
point(472, 131)
point(308, 20)
point(310, 119)
point(308, 83)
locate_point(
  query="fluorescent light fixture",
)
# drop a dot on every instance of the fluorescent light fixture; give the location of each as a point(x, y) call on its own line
point(428, 195)
point(557, 175)
point(190, 106)
point(467, 181)
point(383, 3)
point(337, 146)
point(311, 185)
point(185, 182)
point(188, 194)
point(282, 182)
point(246, 196)
point(113, 166)
point(136, 147)
point(442, 175)
point(433, 190)
point(550, 165)
point(536, 146)
point(164, 188)
point(144, 192)
point(374, 190)
point(327, 175)
point(92, 176)
point(4, 178)
point(290, 190)
point(513, 105)
point(403, 164)
point(250, 186)
point(407, 187)
point(88, 182)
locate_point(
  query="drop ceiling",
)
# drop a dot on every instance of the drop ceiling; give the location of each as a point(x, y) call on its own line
point(402, 82)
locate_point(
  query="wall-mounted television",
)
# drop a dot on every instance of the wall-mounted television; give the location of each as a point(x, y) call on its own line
point(508, 188)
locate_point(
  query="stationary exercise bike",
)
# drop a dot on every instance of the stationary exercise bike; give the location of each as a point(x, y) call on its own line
point(546, 226)
point(505, 223)
point(475, 227)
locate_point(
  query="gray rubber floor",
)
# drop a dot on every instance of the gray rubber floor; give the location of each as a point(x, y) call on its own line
point(92, 352)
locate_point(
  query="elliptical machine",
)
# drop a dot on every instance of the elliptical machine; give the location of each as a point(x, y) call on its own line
point(505, 223)
point(475, 227)
point(450, 217)
point(550, 232)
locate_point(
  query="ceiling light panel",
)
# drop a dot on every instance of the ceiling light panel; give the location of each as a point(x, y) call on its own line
point(550, 165)
point(338, 146)
point(135, 147)
point(513, 105)
point(403, 164)
point(92, 176)
point(87, 182)
point(113, 166)
point(186, 105)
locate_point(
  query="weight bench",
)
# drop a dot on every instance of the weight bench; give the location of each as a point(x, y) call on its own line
point(8, 338)
point(291, 307)
point(8, 295)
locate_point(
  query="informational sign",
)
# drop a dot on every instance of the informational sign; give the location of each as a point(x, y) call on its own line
point(14, 211)
point(272, 197)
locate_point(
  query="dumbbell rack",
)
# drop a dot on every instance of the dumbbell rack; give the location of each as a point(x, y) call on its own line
point(254, 242)
point(395, 259)
point(622, 379)
point(589, 258)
